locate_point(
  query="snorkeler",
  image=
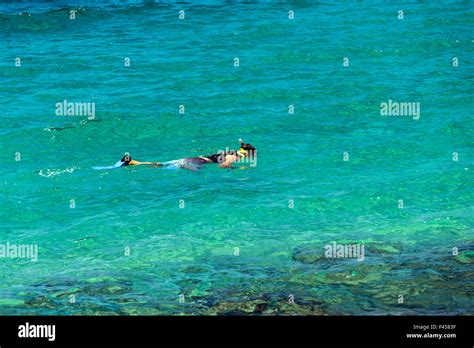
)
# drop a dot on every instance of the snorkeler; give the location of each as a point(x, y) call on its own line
point(225, 159)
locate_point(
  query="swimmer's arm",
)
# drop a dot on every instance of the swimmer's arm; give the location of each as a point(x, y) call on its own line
point(205, 159)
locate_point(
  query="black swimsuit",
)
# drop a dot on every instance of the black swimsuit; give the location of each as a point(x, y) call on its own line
point(216, 158)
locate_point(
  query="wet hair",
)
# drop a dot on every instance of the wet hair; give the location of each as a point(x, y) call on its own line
point(249, 148)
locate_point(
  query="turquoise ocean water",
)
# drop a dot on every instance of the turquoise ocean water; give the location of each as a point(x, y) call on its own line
point(237, 247)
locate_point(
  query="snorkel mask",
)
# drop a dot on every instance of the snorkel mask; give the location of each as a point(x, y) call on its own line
point(241, 152)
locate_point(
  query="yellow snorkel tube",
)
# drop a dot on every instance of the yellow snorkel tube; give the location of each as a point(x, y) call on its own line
point(241, 152)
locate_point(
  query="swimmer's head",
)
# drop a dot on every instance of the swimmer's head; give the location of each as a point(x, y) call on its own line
point(126, 158)
point(246, 149)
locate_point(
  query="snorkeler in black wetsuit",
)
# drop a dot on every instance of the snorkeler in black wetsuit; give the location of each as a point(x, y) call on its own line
point(224, 159)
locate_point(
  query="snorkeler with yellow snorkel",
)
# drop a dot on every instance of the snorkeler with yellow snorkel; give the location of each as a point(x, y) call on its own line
point(225, 159)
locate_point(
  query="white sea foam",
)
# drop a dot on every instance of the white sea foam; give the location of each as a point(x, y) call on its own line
point(53, 172)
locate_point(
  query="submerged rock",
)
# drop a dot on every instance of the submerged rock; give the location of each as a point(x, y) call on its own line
point(313, 254)
point(194, 269)
point(465, 257)
point(68, 292)
point(265, 307)
point(382, 248)
point(237, 308)
point(347, 277)
point(97, 312)
point(141, 311)
point(297, 308)
point(41, 301)
point(353, 275)
point(309, 254)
